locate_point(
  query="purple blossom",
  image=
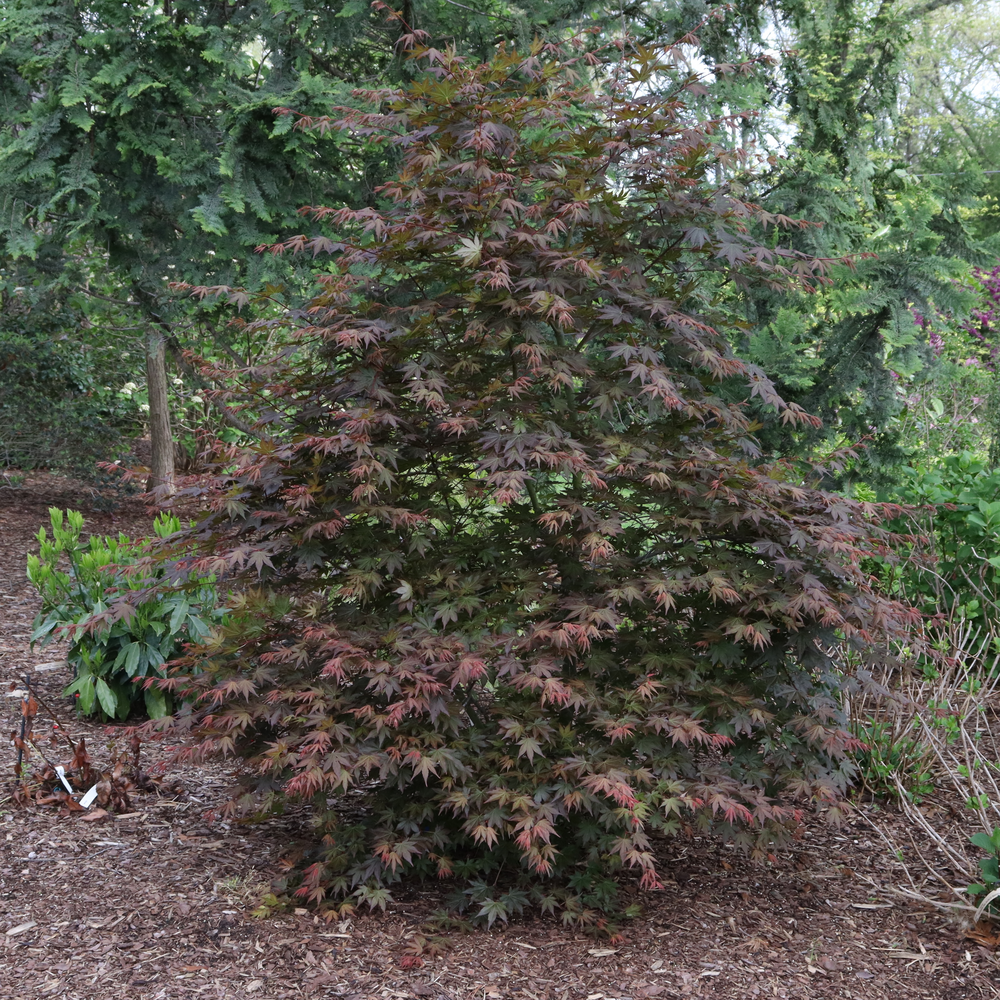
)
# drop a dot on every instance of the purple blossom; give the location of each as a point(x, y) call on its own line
point(984, 324)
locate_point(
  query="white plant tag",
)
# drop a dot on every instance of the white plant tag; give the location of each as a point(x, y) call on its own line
point(51, 665)
point(88, 798)
point(61, 771)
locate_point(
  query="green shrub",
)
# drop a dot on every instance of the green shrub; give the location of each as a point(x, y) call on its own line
point(79, 579)
point(989, 866)
point(893, 763)
point(961, 519)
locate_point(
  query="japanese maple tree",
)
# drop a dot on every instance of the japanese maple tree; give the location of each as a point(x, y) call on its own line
point(517, 594)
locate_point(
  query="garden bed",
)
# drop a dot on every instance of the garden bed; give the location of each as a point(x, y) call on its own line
point(157, 903)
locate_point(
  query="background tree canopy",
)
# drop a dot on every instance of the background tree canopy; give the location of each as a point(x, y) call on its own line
point(141, 145)
point(142, 142)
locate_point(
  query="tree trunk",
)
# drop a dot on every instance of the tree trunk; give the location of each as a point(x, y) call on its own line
point(161, 437)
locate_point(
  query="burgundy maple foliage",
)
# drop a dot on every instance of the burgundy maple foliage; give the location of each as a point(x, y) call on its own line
point(515, 594)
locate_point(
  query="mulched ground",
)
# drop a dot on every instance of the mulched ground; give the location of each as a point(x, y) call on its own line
point(156, 904)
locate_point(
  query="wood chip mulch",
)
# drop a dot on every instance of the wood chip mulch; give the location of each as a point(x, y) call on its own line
point(157, 903)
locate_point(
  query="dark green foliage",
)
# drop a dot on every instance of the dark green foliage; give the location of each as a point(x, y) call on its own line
point(61, 377)
point(786, 352)
point(153, 134)
point(54, 412)
point(153, 131)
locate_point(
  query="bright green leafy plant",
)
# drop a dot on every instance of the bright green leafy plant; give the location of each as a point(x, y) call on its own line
point(959, 513)
point(989, 866)
point(79, 579)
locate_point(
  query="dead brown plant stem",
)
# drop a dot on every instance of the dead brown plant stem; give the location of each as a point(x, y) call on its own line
point(20, 749)
point(55, 718)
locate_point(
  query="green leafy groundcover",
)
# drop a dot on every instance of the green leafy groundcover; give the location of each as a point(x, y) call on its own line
point(524, 597)
point(80, 579)
point(990, 868)
point(956, 508)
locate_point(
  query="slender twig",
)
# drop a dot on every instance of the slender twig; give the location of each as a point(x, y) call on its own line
point(55, 718)
point(20, 745)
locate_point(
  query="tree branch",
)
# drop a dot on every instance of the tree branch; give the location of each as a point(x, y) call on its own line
point(328, 67)
point(928, 7)
point(481, 13)
point(230, 416)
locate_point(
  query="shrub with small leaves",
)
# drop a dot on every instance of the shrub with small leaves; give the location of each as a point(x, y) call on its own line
point(526, 598)
point(892, 763)
point(78, 580)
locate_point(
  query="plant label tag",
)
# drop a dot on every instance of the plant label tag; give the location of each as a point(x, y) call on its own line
point(61, 771)
point(88, 799)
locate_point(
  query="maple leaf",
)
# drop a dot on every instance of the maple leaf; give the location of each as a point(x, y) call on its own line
point(469, 250)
